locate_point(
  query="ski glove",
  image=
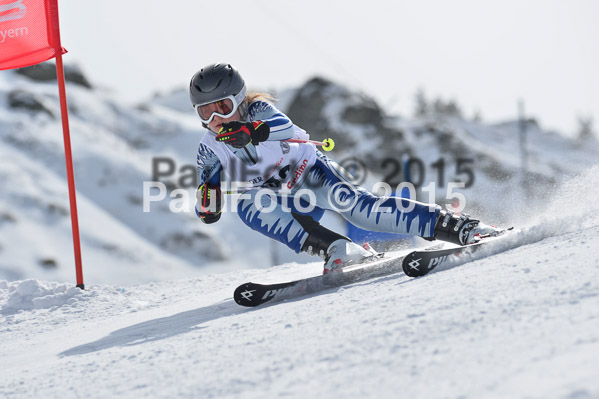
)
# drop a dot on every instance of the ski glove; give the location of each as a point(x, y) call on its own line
point(239, 134)
point(209, 199)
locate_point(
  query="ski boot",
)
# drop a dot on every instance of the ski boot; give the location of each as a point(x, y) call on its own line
point(462, 230)
point(335, 249)
point(343, 253)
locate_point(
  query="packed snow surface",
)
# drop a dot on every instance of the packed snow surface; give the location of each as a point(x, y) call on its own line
point(520, 324)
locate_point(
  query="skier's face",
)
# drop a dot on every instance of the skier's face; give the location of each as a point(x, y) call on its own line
point(217, 121)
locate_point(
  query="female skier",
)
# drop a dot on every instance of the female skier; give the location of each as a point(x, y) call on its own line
point(247, 140)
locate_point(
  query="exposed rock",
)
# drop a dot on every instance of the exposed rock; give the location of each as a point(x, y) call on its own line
point(7, 218)
point(325, 109)
point(26, 100)
point(197, 241)
point(48, 263)
point(47, 72)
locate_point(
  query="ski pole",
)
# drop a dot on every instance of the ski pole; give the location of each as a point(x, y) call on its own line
point(326, 144)
point(248, 189)
point(245, 190)
point(232, 192)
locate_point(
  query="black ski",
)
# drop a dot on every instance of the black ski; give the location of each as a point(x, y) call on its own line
point(420, 263)
point(414, 264)
point(253, 294)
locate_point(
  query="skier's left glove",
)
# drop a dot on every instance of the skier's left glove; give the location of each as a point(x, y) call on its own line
point(239, 134)
point(209, 199)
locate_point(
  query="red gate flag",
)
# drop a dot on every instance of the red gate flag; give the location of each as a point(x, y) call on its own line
point(29, 32)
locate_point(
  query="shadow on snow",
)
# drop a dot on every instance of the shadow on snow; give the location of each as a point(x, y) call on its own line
point(157, 329)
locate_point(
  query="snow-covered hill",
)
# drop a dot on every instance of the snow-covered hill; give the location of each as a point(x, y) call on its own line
point(520, 324)
point(116, 148)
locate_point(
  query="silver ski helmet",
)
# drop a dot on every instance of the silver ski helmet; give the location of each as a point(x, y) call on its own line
point(216, 82)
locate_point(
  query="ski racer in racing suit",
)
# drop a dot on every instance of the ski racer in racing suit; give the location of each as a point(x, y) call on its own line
point(290, 184)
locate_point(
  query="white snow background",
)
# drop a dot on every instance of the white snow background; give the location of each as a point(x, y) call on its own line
point(157, 319)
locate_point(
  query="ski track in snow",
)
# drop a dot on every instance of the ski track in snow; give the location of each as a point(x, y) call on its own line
point(520, 324)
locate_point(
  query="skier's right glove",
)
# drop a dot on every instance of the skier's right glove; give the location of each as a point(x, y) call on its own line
point(209, 206)
point(239, 134)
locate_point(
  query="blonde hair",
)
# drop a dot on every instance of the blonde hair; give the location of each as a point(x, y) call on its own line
point(257, 95)
point(253, 96)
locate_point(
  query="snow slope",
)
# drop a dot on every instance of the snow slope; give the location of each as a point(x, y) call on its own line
point(114, 145)
point(520, 324)
point(113, 149)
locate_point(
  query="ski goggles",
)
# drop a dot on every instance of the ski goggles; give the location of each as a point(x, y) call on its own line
point(225, 107)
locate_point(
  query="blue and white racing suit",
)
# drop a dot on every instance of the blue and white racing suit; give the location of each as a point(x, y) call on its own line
point(285, 178)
